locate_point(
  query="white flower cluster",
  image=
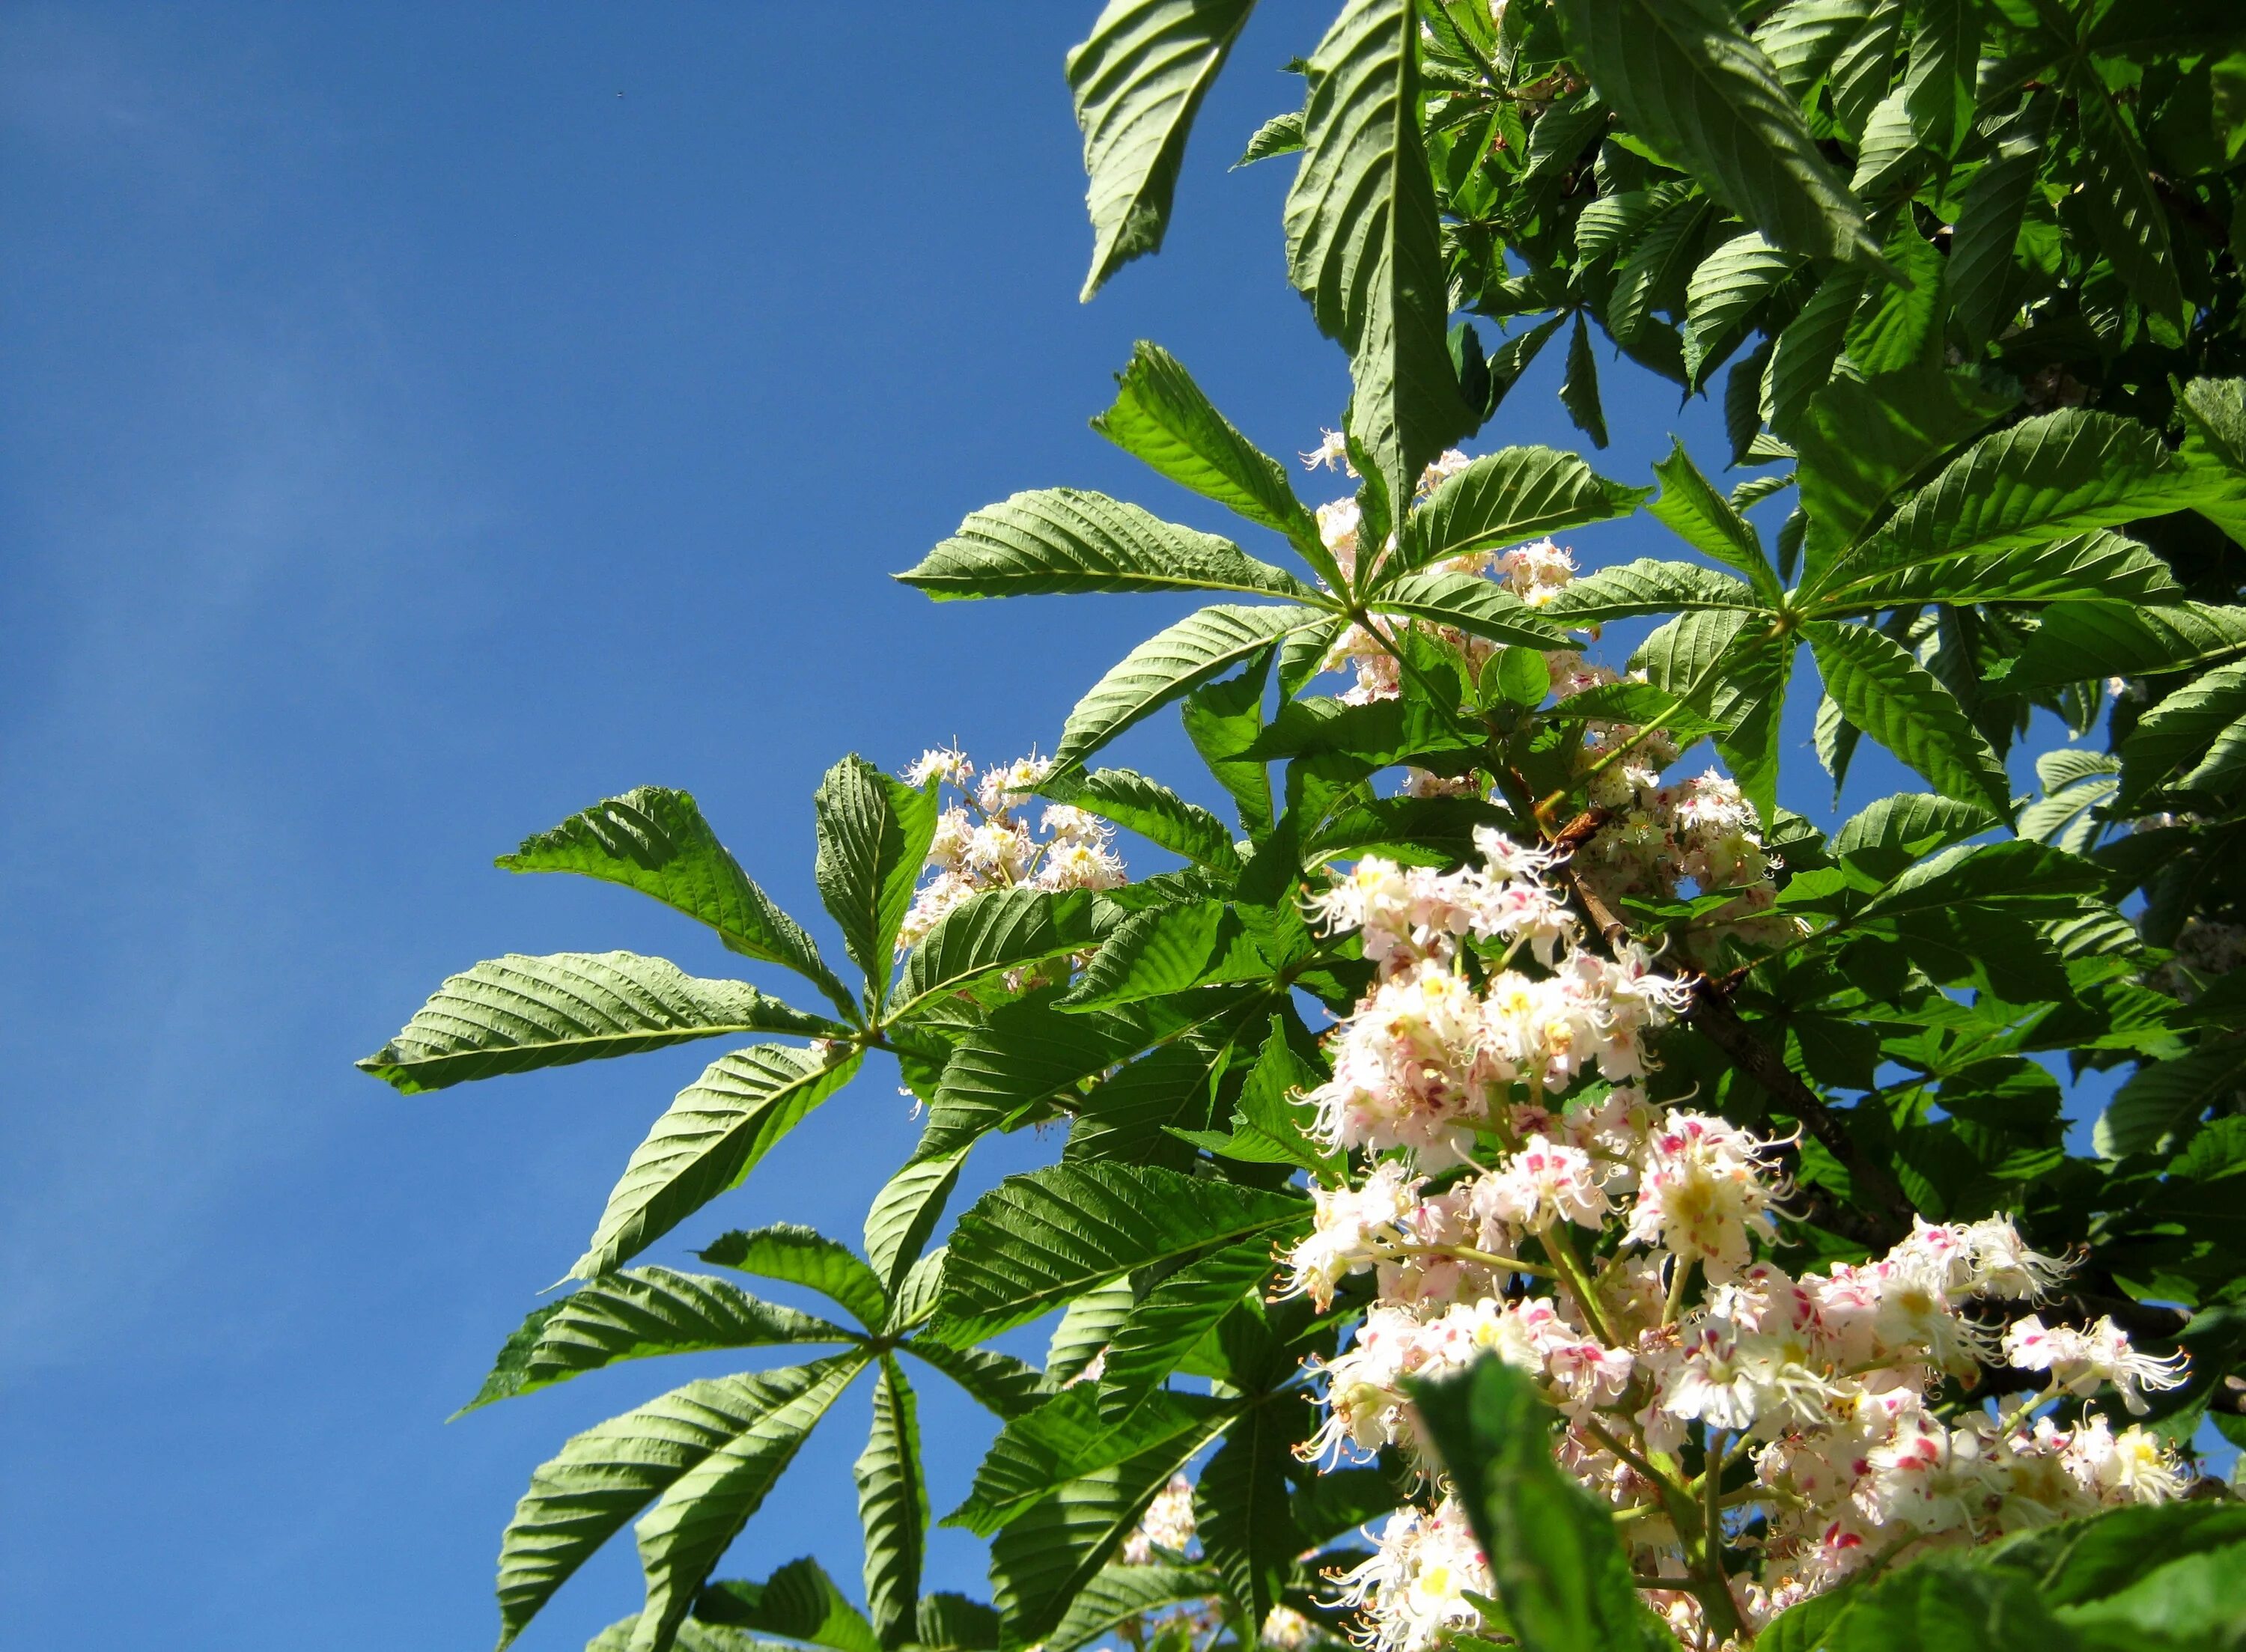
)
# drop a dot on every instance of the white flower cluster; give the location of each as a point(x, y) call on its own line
point(1426, 1057)
point(1608, 1247)
point(1166, 1528)
point(983, 840)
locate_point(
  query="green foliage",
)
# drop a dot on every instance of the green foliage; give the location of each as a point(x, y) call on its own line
point(1972, 268)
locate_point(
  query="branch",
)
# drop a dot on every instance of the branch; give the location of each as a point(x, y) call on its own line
point(1712, 1016)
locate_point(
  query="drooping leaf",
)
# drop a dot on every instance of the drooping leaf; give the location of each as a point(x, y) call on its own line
point(1560, 1573)
point(873, 833)
point(1989, 218)
point(654, 840)
point(1892, 324)
point(1196, 649)
point(799, 1602)
point(1802, 359)
point(1579, 390)
point(893, 1506)
point(519, 1013)
point(1138, 80)
point(1685, 73)
point(2118, 196)
point(711, 1136)
point(637, 1314)
point(602, 1477)
point(1058, 540)
point(1223, 720)
point(1364, 243)
point(801, 1255)
point(1039, 1238)
point(702, 1510)
point(1890, 696)
point(1726, 289)
point(1504, 498)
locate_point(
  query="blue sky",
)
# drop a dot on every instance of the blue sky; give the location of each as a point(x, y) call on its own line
point(417, 421)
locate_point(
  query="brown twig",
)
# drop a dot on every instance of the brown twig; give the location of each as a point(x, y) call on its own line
point(1712, 1016)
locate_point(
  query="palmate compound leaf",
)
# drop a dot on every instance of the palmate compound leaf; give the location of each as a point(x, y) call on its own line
point(1883, 690)
point(993, 930)
point(2048, 478)
point(654, 840)
point(604, 1475)
point(1684, 74)
point(893, 1506)
point(1167, 665)
point(873, 833)
point(1138, 80)
point(711, 1136)
point(1560, 1569)
point(1061, 539)
point(1504, 498)
point(520, 1013)
point(1364, 243)
point(702, 1510)
point(1161, 416)
point(1038, 1240)
point(637, 1314)
point(799, 1255)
